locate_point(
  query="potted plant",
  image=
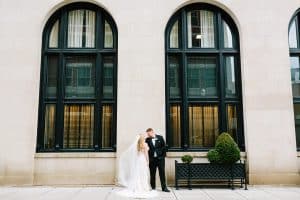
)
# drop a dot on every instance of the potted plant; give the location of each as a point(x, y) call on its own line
point(222, 165)
point(187, 159)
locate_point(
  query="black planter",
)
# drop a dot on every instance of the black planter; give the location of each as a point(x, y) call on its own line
point(210, 173)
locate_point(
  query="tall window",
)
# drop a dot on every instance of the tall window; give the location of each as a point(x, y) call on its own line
point(294, 44)
point(77, 109)
point(203, 81)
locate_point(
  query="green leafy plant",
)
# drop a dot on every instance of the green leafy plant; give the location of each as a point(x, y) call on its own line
point(226, 150)
point(213, 156)
point(187, 158)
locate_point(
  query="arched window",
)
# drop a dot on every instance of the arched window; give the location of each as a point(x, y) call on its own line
point(294, 45)
point(203, 79)
point(77, 109)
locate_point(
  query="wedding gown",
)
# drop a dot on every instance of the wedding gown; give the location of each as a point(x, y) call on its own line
point(133, 173)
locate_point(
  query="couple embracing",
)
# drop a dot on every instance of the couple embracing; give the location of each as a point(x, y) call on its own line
point(143, 157)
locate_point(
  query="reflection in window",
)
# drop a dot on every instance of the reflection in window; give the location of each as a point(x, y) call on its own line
point(201, 72)
point(52, 76)
point(293, 35)
point(295, 75)
point(203, 125)
point(174, 36)
point(230, 76)
point(49, 130)
point(80, 77)
point(53, 38)
point(78, 126)
point(81, 29)
point(108, 36)
point(107, 125)
point(201, 31)
point(174, 77)
point(175, 125)
point(108, 72)
point(228, 39)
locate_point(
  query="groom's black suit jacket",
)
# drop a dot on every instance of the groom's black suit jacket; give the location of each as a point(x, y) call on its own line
point(159, 148)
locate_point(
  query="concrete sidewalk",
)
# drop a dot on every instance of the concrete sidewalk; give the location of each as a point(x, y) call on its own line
point(107, 193)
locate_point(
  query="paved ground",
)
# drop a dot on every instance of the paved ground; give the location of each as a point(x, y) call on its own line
point(107, 193)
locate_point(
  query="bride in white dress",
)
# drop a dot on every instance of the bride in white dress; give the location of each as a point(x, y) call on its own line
point(133, 171)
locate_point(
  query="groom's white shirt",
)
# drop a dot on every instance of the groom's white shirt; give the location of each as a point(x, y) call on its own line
point(153, 142)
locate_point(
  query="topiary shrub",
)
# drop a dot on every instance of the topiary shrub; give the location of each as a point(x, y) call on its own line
point(226, 150)
point(187, 158)
point(213, 156)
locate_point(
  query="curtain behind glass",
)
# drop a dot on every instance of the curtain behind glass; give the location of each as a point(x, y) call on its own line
point(78, 126)
point(230, 76)
point(201, 31)
point(232, 121)
point(107, 119)
point(174, 36)
point(108, 36)
point(53, 38)
point(228, 39)
point(203, 126)
point(81, 29)
point(49, 127)
point(293, 35)
point(175, 125)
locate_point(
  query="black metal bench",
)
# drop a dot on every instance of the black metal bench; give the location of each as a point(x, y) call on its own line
point(230, 174)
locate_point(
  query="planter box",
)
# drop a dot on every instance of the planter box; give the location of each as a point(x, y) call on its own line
point(231, 174)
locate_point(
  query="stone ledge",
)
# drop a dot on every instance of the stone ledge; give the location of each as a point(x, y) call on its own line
point(76, 155)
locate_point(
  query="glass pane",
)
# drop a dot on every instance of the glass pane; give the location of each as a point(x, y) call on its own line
point(297, 123)
point(201, 74)
point(232, 120)
point(78, 126)
point(295, 76)
point(108, 36)
point(293, 35)
point(107, 126)
point(175, 125)
point(201, 30)
point(81, 29)
point(174, 36)
point(80, 76)
point(228, 39)
point(203, 125)
point(53, 38)
point(108, 76)
point(230, 76)
point(174, 82)
point(51, 76)
point(49, 129)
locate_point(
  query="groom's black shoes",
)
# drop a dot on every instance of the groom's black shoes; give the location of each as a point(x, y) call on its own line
point(166, 190)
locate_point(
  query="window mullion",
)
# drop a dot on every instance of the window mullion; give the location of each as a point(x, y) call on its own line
point(221, 83)
point(184, 103)
point(98, 107)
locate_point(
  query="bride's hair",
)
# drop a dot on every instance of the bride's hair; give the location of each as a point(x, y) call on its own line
point(140, 144)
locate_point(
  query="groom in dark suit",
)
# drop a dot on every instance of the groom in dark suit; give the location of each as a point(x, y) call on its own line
point(157, 154)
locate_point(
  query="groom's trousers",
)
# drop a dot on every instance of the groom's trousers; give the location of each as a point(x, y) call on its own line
point(153, 165)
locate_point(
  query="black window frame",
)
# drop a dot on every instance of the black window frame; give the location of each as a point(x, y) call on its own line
point(295, 52)
point(182, 52)
point(62, 51)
